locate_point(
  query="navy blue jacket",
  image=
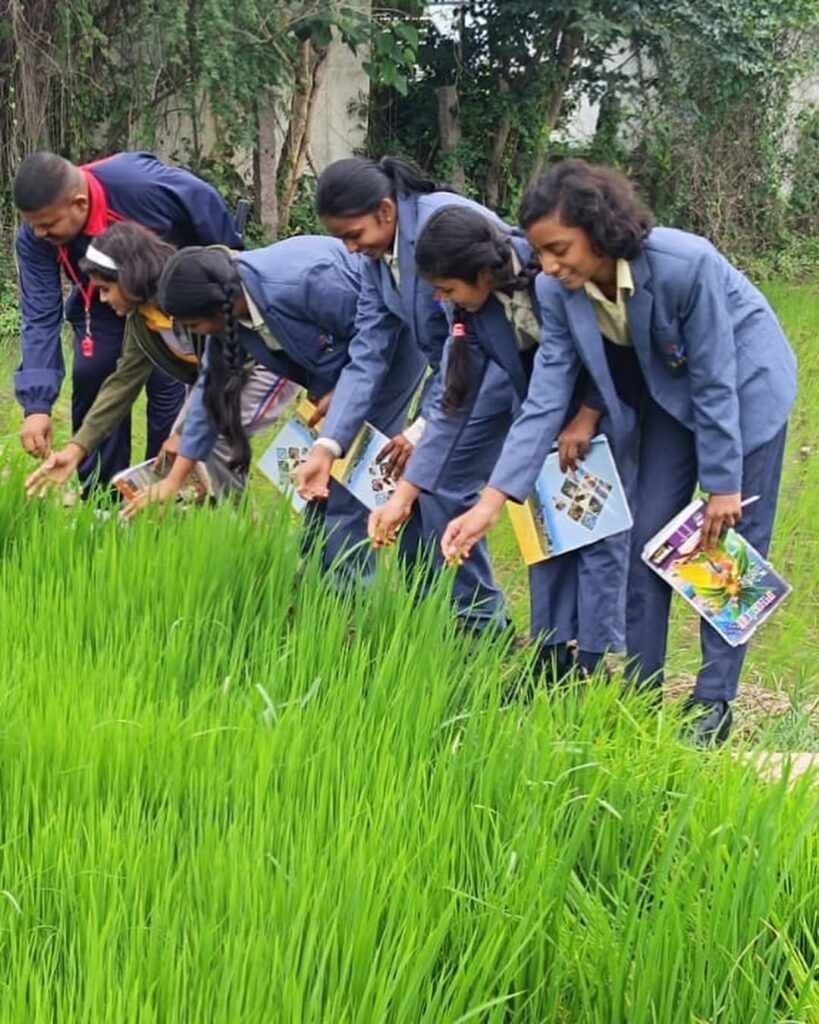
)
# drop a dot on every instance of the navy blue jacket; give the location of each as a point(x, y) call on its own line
point(306, 289)
point(174, 203)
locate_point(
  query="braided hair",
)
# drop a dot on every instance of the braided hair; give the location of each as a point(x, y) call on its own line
point(202, 282)
point(354, 187)
point(461, 242)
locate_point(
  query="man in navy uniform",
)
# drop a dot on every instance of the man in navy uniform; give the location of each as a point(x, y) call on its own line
point(63, 207)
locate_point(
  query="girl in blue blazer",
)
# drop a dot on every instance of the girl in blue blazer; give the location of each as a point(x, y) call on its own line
point(290, 306)
point(662, 315)
point(486, 275)
point(378, 209)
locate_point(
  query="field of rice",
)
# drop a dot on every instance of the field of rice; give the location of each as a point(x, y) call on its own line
point(229, 792)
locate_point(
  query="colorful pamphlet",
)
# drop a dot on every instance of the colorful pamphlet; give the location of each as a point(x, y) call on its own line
point(570, 510)
point(732, 587)
point(137, 478)
point(359, 471)
point(289, 449)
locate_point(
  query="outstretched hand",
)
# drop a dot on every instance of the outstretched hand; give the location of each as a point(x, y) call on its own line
point(54, 472)
point(469, 529)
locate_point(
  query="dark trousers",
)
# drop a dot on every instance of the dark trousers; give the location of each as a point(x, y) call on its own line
point(165, 397)
point(667, 476)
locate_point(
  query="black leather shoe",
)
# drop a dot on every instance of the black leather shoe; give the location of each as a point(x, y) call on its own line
point(708, 721)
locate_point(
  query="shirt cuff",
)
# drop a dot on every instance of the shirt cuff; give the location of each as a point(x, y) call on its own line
point(415, 431)
point(330, 444)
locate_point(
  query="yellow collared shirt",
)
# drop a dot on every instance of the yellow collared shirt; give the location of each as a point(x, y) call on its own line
point(612, 317)
point(255, 321)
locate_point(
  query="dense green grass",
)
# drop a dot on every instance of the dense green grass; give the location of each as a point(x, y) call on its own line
point(228, 793)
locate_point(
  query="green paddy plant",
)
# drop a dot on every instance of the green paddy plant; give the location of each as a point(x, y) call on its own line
point(230, 790)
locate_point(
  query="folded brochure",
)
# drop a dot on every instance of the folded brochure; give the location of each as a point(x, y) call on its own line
point(570, 510)
point(732, 587)
point(145, 474)
point(359, 471)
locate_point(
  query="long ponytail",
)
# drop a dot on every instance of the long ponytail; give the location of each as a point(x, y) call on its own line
point(354, 187)
point(460, 374)
point(461, 242)
point(196, 283)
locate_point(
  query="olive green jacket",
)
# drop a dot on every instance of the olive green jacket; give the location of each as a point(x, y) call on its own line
point(142, 350)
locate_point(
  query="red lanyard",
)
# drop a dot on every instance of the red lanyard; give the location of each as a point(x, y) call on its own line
point(87, 296)
point(86, 293)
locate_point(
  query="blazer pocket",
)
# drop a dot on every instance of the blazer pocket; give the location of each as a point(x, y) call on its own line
point(670, 347)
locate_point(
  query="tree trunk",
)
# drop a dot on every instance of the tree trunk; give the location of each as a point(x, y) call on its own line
point(449, 132)
point(266, 163)
point(569, 45)
point(308, 83)
point(499, 142)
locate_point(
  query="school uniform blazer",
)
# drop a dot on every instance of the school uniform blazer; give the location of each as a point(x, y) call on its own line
point(711, 350)
point(490, 337)
point(178, 206)
point(391, 319)
point(306, 289)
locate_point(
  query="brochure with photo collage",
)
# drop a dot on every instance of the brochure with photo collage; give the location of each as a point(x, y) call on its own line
point(359, 471)
point(570, 510)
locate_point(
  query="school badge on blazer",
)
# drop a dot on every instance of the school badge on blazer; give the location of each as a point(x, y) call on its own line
point(676, 355)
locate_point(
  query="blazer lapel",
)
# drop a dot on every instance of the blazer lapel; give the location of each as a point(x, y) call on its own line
point(639, 307)
point(499, 337)
point(586, 331)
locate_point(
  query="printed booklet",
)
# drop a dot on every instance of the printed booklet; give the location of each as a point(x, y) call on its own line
point(569, 510)
point(290, 447)
point(358, 471)
point(732, 587)
point(136, 478)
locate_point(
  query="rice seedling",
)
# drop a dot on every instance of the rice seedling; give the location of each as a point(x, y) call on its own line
point(230, 790)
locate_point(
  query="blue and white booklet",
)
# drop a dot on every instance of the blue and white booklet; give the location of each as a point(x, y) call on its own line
point(359, 471)
point(291, 446)
point(569, 510)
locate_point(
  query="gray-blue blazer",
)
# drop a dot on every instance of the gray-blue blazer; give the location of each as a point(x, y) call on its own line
point(710, 348)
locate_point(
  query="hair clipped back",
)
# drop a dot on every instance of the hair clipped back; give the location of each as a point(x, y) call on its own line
point(139, 255)
point(354, 187)
point(601, 201)
point(198, 282)
point(42, 180)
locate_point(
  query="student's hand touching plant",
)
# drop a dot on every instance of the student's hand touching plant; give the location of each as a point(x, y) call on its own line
point(722, 511)
point(396, 453)
point(574, 441)
point(36, 434)
point(313, 477)
point(385, 522)
point(468, 529)
point(56, 469)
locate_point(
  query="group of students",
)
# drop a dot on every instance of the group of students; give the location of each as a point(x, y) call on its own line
point(585, 319)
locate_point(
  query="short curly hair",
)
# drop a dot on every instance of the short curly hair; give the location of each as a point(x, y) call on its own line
point(600, 200)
